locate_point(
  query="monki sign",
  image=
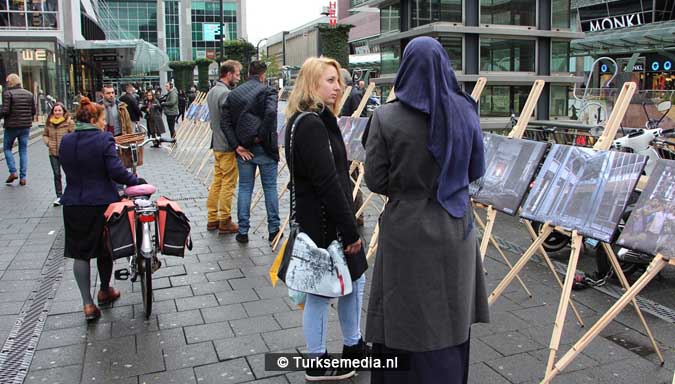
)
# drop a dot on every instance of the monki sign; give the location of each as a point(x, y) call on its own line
point(615, 22)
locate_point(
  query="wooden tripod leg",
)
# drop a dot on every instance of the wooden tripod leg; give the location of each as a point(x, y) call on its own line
point(487, 235)
point(357, 184)
point(520, 264)
point(372, 246)
point(365, 203)
point(559, 323)
point(652, 271)
point(624, 282)
point(277, 239)
point(551, 267)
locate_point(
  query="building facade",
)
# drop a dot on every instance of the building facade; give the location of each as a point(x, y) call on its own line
point(510, 42)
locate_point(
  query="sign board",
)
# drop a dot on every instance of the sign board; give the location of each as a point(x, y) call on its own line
point(332, 13)
point(211, 31)
point(658, 63)
point(617, 15)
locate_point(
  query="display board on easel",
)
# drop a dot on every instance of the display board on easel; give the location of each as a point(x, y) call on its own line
point(649, 229)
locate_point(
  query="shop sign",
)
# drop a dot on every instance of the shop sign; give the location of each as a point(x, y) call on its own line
point(34, 55)
point(332, 14)
point(659, 63)
point(617, 14)
point(616, 22)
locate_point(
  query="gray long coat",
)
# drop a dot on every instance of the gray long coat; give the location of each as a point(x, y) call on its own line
point(428, 285)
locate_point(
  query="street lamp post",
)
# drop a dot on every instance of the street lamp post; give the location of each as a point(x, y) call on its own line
point(222, 24)
point(257, 48)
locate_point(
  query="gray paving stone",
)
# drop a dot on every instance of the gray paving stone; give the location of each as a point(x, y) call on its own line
point(232, 371)
point(165, 338)
point(284, 339)
point(104, 350)
point(191, 355)
point(135, 364)
point(235, 264)
point(211, 331)
point(249, 282)
point(58, 357)
point(114, 313)
point(62, 337)
point(172, 293)
point(180, 319)
point(261, 270)
point(158, 307)
point(581, 362)
point(518, 368)
point(253, 325)
point(201, 268)
point(211, 287)
point(223, 313)
point(257, 364)
point(480, 352)
point(271, 292)
point(224, 275)
point(127, 327)
point(605, 351)
point(511, 343)
point(60, 375)
point(176, 270)
point(181, 376)
point(188, 279)
point(266, 306)
point(239, 296)
point(480, 373)
point(622, 372)
point(239, 346)
point(196, 302)
point(289, 319)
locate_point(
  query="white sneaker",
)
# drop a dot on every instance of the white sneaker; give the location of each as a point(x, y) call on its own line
point(57, 202)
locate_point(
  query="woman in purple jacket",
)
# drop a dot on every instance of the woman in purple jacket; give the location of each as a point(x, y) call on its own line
point(92, 168)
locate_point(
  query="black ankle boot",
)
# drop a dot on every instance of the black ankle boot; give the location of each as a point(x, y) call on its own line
point(359, 350)
point(327, 374)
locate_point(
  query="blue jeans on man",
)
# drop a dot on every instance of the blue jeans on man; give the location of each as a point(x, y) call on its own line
point(9, 138)
point(268, 177)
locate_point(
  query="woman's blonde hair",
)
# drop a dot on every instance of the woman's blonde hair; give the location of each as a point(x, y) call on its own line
point(305, 95)
point(13, 80)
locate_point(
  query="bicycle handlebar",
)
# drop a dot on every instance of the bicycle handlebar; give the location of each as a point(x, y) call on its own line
point(147, 141)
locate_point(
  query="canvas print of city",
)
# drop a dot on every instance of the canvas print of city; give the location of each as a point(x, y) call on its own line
point(352, 132)
point(578, 188)
point(651, 225)
point(510, 167)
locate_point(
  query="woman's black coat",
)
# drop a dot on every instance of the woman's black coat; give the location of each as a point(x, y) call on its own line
point(153, 115)
point(323, 189)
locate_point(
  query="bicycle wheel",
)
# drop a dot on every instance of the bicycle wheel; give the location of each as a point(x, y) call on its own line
point(145, 270)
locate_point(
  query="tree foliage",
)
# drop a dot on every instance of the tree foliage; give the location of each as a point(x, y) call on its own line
point(240, 50)
point(272, 65)
point(203, 74)
point(183, 73)
point(335, 42)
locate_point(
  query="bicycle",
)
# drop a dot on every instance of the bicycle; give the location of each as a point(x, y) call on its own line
point(144, 261)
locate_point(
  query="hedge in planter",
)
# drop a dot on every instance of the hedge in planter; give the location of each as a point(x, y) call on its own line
point(335, 42)
point(183, 73)
point(203, 74)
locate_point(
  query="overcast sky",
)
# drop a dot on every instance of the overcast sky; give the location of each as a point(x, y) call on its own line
point(265, 18)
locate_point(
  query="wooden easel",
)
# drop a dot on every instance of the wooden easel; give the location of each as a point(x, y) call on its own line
point(603, 143)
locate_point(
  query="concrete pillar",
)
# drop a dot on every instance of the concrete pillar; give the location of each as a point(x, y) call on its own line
point(161, 37)
point(544, 58)
point(185, 20)
point(242, 32)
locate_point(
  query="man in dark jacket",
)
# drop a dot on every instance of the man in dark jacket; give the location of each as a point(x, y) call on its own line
point(129, 98)
point(18, 109)
point(170, 107)
point(249, 121)
point(355, 96)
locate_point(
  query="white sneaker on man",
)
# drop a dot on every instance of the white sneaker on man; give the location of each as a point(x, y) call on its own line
point(57, 202)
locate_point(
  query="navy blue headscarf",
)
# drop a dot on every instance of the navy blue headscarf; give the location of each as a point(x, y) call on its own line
point(426, 82)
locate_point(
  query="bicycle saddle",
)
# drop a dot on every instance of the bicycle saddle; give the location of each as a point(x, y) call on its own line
point(140, 190)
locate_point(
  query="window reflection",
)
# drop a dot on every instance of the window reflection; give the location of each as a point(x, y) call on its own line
point(508, 12)
point(428, 11)
point(507, 55)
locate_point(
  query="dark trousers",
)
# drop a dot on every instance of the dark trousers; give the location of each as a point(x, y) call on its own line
point(56, 169)
point(171, 121)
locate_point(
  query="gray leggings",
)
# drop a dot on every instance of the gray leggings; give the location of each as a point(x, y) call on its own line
point(82, 273)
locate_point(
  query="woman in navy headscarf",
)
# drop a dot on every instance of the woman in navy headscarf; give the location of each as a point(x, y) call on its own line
point(423, 149)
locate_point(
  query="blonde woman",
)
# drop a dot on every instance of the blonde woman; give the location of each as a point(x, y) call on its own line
point(58, 125)
point(323, 203)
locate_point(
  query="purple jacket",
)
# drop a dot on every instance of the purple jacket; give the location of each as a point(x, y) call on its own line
point(92, 167)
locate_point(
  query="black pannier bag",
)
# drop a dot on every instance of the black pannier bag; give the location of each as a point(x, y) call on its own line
point(174, 228)
point(119, 231)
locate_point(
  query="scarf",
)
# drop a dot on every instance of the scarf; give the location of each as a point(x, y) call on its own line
point(57, 120)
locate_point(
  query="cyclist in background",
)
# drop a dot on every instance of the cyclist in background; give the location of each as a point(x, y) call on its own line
point(92, 168)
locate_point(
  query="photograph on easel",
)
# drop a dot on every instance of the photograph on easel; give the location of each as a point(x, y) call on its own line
point(281, 128)
point(510, 167)
point(355, 150)
point(579, 188)
point(651, 225)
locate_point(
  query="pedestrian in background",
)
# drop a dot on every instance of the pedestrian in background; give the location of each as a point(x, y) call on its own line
point(118, 121)
point(170, 107)
point(58, 124)
point(129, 98)
point(324, 204)
point(182, 105)
point(153, 116)
point(428, 284)
point(92, 168)
point(250, 114)
point(18, 109)
point(225, 173)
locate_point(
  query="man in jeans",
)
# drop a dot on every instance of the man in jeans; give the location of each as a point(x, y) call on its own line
point(170, 106)
point(249, 121)
point(18, 110)
point(219, 202)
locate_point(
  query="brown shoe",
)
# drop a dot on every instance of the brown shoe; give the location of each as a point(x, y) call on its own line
point(91, 312)
point(11, 178)
point(212, 225)
point(22, 182)
point(108, 296)
point(227, 226)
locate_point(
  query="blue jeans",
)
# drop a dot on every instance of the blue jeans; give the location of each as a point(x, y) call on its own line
point(9, 137)
point(315, 318)
point(268, 176)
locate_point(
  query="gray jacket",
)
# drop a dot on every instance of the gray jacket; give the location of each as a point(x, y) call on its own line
point(428, 285)
point(170, 105)
point(215, 99)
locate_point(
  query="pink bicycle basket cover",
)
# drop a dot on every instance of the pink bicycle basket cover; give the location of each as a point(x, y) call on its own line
point(140, 190)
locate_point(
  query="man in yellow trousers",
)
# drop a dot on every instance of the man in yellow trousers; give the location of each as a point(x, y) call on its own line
point(225, 173)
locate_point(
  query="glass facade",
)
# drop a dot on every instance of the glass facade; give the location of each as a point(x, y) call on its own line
point(560, 100)
point(29, 14)
point(390, 58)
point(428, 11)
point(206, 17)
point(503, 100)
point(560, 56)
point(453, 46)
point(138, 17)
point(172, 26)
point(390, 19)
point(507, 55)
point(509, 12)
point(560, 14)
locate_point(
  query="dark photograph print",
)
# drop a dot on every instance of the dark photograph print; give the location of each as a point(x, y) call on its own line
point(651, 225)
point(346, 126)
point(579, 188)
point(355, 150)
point(510, 166)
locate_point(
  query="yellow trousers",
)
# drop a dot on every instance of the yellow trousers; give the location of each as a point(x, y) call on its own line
point(225, 175)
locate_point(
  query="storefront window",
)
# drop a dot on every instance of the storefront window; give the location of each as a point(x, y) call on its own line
point(390, 58)
point(559, 100)
point(453, 46)
point(507, 55)
point(503, 100)
point(560, 56)
point(428, 11)
point(31, 14)
point(389, 19)
point(509, 12)
point(560, 14)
